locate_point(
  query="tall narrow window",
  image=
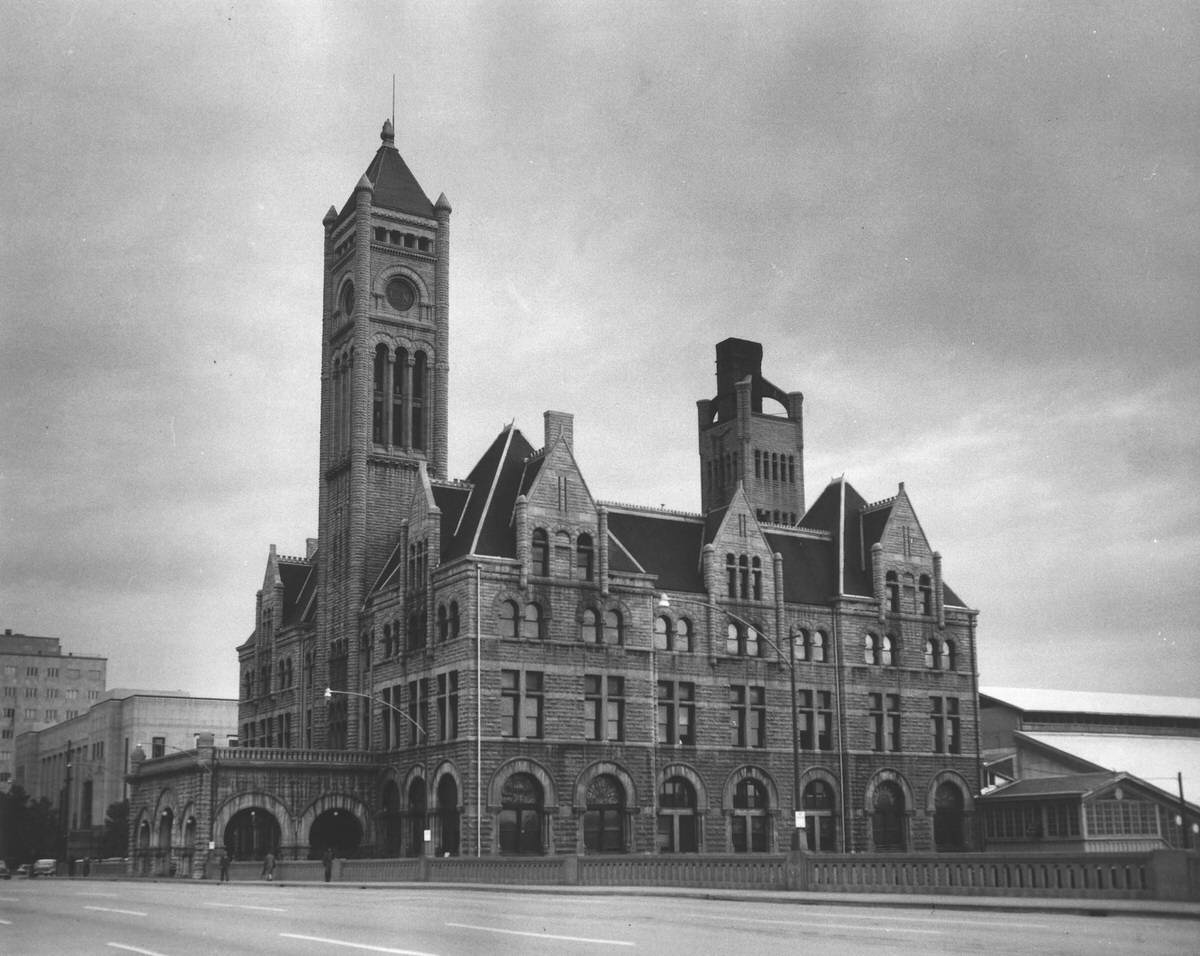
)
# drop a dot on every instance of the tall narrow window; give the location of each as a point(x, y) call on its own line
point(531, 622)
point(677, 817)
point(604, 706)
point(748, 725)
point(509, 617)
point(731, 574)
point(757, 575)
point(892, 585)
point(676, 712)
point(418, 402)
point(418, 705)
point(604, 817)
point(821, 827)
point(589, 629)
point(447, 705)
point(399, 378)
point(521, 703)
point(584, 557)
point(614, 632)
point(539, 553)
point(926, 590)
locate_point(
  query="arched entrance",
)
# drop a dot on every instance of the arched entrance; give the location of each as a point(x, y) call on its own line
point(416, 817)
point(604, 817)
point(948, 818)
point(820, 830)
point(337, 829)
point(521, 806)
point(449, 834)
point(888, 818)
point(164, 864)
point(250, 833)
point(677, 817)
point(389, 819)
point(750, 823)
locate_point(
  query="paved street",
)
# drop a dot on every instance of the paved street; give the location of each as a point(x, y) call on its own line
point(67, 917)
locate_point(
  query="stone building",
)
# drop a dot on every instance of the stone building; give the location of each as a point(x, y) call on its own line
point(502, 664)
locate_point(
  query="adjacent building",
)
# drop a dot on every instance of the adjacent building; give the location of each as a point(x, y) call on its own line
point(80, 765)
point(41, 686)
point(503, 664)
point(1091, 771)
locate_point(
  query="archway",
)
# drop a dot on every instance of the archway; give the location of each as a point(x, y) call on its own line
point(678, 829)
point(521, 809)
point(749, 821)
point(449, 836)
point(888, 818)
point(820, 826)
point(337, 829)
point(416, 818)
point(250, 833)
point(390, 819)
point(948, 818)
point(604, 816)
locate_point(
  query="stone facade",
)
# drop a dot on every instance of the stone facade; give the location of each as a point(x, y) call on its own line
point(505, 665)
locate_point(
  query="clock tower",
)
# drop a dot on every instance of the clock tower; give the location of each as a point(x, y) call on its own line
point(384, 395)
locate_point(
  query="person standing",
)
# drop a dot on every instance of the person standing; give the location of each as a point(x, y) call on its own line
point(268, 870)
point(327, 859)
point(224, 866)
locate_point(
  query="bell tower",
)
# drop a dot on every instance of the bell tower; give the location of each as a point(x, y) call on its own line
point(384, 393)
point(743, 440)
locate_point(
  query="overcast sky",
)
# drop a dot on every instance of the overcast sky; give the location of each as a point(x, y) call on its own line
point(968, 232)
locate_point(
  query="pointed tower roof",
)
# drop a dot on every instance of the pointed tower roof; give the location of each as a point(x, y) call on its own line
point(395, 187)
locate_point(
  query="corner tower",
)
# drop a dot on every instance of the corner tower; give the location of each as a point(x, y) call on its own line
point(384, 387)
point(741, 441)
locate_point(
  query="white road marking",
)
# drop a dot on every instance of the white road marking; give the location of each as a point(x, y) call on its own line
point(135, 949)
point(107, 909)
point(349, 945)
point(10, 899)
point(5, 922)
point(106, 896)
point(247, 906)
point(570, 939)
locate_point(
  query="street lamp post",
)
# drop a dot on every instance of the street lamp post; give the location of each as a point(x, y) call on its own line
point(665, 602)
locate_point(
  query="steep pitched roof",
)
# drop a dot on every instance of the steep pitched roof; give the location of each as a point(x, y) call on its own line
point(299, 578)
point(486, 526)
point(809, 567)
point(395, 187)
point(662, 544)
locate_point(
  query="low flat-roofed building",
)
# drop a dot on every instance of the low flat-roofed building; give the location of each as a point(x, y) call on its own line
point(1057, 759)
point(79, 765)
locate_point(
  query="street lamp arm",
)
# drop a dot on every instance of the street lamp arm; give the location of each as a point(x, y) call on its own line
point(329, 692)
point(665, 602)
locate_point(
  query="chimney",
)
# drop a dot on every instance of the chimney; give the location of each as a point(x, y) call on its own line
point(560, 423)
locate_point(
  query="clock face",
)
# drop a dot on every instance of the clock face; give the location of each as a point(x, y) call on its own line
point(400, 295)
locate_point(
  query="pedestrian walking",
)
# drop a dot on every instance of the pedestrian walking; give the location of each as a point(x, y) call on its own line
point(224, 861)
point(268, 870)
point(327, 859)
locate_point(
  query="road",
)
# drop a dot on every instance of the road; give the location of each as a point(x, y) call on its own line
point(59, 917)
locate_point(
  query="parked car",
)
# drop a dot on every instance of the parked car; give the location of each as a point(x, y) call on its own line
point(4, 874)
point(23, 869)
point(44, 868)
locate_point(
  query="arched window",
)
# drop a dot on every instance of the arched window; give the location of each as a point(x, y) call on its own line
point(949, 657)
point(539, 553)
point(750, 821)
point(888, 819)
point(588, 626)
point(744, 576)
point(562, 553)
point(520, 823)
point(604, 818)
point(584, 557)
point(418, 401)
point(887, 650)
point(816, 647)
point(756, 573)
point(948, 818)
point(880, 650)
point(614, 627)
point(378, 432)
point(742, 639)
point(399, 378)
point(443, 623)
point(820, 830)
point(455, 620)
point(677, 820)
point(662, 634)
point(926, 590)
point(531, 622)
point(932, 653)
point(509, 615)
point(892, 585)
point(683, 635)
point(871, 649)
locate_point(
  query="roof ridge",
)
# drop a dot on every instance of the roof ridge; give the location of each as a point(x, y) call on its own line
point(882, 503)
point(651, 509)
